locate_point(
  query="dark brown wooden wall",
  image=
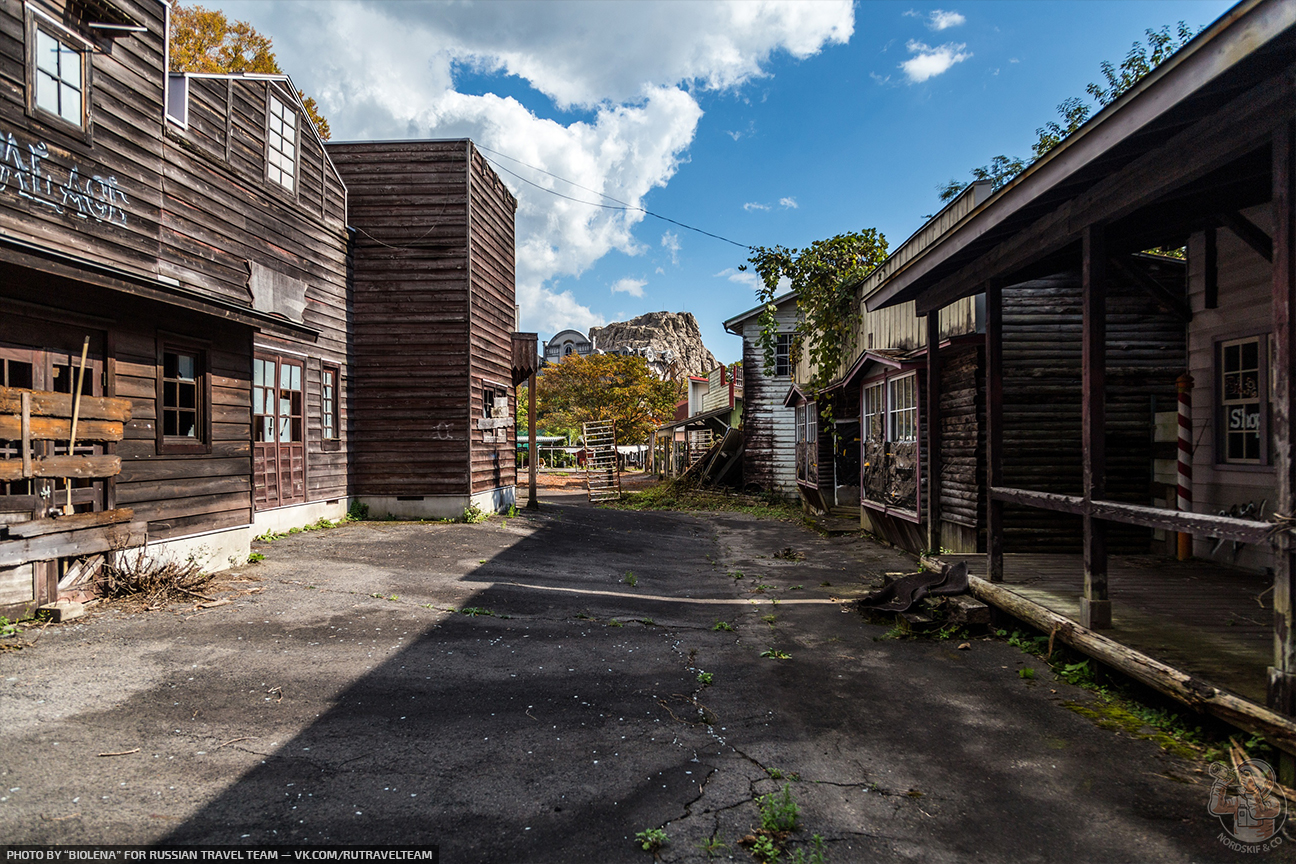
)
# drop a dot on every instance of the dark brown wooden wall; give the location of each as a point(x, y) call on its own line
point(410, 372)
point(492, 268)
point(1042, 348)
point(962, 405)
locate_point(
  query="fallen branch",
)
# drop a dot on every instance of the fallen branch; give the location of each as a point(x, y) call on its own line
point(234, 740)
point(121, 752)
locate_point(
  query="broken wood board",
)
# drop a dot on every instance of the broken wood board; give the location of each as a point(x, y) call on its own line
point(73, 544)
point(54, 524)
point(48, 404)
point(62, 466)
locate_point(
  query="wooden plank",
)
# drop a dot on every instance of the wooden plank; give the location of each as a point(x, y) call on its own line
point(994, 427)
point(932, 469)
point(1249, 233)
point(47, 404)
point(62, 466)
point(1282, 675)
point(39, 527)
point(57, 429)
point(1095, 607)
point(73, 544)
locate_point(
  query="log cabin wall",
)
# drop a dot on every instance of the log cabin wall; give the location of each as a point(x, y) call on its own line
point(962, 463)
point(1041, 385)
point(1244, 278)
point(493, 319)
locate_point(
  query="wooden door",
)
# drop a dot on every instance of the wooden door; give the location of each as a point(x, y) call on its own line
point(278, 431)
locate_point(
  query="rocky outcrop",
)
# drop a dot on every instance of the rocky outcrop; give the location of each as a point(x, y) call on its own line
point(664, 339)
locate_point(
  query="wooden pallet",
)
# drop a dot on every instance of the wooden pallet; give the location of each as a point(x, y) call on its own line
point(602, 477)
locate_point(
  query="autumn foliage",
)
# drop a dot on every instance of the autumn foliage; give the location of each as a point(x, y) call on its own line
point(605, 387)
point(205, 41)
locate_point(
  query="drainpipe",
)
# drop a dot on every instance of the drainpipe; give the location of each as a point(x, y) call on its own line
point(1184, 386)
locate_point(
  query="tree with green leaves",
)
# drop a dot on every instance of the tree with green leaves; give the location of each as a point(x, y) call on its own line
point(205, 41)
point(1073, 112)
point(824, 276)
point(623, 389)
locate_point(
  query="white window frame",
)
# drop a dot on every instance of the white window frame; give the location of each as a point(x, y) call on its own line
point(902, 419)
point(283, 142)
point(782, 355)
point(1227, 407)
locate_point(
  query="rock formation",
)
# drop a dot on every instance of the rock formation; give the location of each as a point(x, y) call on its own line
point(664, 339)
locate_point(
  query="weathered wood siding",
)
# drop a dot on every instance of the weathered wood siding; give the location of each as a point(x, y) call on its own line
point(1245, 309)
point(1042, 348)
point(769, 429)
point(962, 406)
point(162, 248)
point(493, 315)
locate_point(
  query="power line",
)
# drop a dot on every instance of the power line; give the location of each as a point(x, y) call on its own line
point(619, 205)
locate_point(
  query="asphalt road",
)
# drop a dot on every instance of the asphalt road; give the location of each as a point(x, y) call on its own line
point(337, 701)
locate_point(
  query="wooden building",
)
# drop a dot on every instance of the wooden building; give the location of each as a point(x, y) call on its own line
point(1200, 154)
point(433, 312)
point(192, 228)
point(768, 432)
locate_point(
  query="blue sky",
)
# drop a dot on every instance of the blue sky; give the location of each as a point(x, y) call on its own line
point(763, 122)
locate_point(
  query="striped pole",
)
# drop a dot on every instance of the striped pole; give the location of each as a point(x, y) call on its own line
point(1184, 386)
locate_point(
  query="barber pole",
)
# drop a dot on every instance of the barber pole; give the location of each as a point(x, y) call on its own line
point(1184, 385)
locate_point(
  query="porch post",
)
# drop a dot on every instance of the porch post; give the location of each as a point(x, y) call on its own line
point(533, 503)
point(932, 464)
point(1095, 608)
point(1282, 675)
point(994, 428)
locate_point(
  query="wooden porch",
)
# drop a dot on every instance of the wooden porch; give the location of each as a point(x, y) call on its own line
point(1207, 620)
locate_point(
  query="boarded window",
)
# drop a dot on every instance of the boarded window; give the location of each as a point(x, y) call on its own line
point(281, 145)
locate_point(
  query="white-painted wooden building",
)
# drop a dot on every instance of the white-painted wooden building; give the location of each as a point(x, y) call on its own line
point(768, 427)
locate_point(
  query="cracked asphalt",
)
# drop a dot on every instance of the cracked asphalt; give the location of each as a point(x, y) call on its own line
point(338, 700)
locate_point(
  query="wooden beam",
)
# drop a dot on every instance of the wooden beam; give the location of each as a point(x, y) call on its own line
point(1095, 607)
point(533, 455)
point(1154, 289)
point(1201, 524)
point(56, 429)
point(1282, 675)
point(47, 404)
point(72, 544)
point(1249, 233)
point(932, 464)
point(77, 521)
point(1256, 719)
point(994, 427)
point(62, 466)
point(1210, 267)
point(1203, 147)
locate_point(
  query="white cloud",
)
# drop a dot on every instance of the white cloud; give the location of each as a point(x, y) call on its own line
point(940, 19)
point(788, 203)
point(741, 277)
point(670, 242)
point(386, 70)
point(753, 205)
point(880, 79)
point(928, 62)
point(633, 287)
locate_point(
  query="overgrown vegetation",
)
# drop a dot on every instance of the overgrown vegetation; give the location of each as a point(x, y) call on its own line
point(688, 496)
point(473, 514)
point(651, 839)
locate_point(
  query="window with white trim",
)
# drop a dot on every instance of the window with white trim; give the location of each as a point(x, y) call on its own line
point(902, 408)
point(1242, 400)
point(58, 78)
point(874, 413)
point(783, 355)
point(281, 144)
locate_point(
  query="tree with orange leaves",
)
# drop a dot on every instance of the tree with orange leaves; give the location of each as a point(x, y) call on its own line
point(205, 41)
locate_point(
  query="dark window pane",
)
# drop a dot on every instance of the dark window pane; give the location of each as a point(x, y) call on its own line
point(1250, 355)
point(187, 424)
point(168, 422)
point(1232, 358)
point(169, 397)
point(188, 394)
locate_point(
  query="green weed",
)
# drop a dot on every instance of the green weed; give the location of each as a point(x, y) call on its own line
point(615, 623)
point(473, 514)
point(765, 850)
point(816, 856)
point(736, 575)
point(722, 625)
point(704, 678)
point(255, 557)
point(7, 627)
point(712, 847)
point(630, 579)
point(1026, 673)
point(358, 512)
point(474, 611)
point(779, 810)
point(769, 619)
point(648, 622)
point(771, 654)
point(651, 839)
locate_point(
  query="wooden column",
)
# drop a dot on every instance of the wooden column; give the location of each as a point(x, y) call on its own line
point(932, 463)
point(1282, 675)
point(533, 455)
point(994, 428)
point(1095, 607)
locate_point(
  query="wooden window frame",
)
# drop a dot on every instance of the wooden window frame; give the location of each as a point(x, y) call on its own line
point(782, 358)
point(1219, 410)
point(887, 381)
point(171, 445)
point(333, 414)
point(36, 21)
point(273, 93)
